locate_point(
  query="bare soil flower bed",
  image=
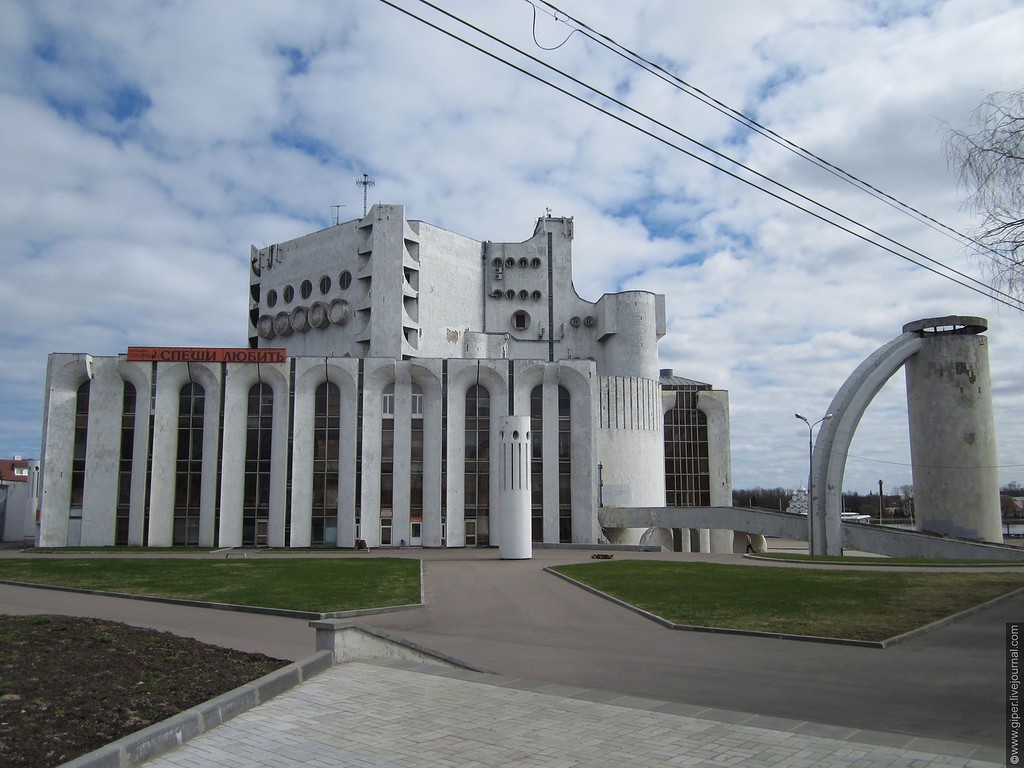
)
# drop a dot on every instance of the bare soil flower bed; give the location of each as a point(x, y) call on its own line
point(70, 685)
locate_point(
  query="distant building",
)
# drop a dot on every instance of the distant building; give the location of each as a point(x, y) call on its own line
point(19, 497)
point(383, 353)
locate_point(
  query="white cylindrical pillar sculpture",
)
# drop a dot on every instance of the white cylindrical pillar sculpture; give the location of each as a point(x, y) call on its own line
point(952, 430)
point(514, 489)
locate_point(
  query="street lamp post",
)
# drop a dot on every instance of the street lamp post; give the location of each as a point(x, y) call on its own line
point(810, 477)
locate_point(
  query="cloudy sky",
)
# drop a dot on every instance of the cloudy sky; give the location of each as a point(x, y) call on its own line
point(145, 146)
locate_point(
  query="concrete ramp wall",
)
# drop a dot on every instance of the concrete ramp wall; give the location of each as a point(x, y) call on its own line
point(897, 543)
point(892, 542)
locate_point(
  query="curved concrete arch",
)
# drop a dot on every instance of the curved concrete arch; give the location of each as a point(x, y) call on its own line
point(73, 373)
point(459, 382)
point(836, 434)
point(576, 382)
point(137, 374)
point(526, 378)
point(427, 378)
point(322, 371)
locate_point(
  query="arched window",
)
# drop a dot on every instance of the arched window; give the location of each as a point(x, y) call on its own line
point(326, 435)
point(124, 468)
point(564, 482)
point(564, 467)
point(256, 484)
point(416, 464)
point(387, 463)
point(78, 457)
point(537, 462)
point(189, 466)
point(477, 470)
point(388, 430)
point(687, 472)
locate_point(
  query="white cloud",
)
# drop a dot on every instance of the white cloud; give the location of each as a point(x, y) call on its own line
point(147, 147)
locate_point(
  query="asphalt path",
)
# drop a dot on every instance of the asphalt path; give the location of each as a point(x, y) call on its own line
point(281, 638)
point(512, 618)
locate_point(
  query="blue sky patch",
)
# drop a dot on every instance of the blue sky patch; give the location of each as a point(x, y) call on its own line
point(47, 50)
point(289, 138)
point(129, 102)
point(298, 61)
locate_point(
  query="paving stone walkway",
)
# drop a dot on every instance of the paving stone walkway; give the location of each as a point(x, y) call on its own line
point(400, 714)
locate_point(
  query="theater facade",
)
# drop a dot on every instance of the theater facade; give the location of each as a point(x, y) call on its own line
point(383, 354)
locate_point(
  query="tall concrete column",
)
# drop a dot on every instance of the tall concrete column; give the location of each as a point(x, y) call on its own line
point(952, 430)
point(64, 374)
point(106, 395)
point(514, 514)
point(715, 407)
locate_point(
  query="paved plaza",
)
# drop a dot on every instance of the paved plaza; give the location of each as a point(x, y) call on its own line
point(581, 681)
point(364, 715)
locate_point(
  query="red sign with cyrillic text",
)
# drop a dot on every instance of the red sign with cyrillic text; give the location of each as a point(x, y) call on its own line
point(205, 355)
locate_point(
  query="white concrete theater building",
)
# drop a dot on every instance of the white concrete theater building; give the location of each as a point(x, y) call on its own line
point(384, 357)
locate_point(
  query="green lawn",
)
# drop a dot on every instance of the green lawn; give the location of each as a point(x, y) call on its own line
point(889, 561)
point(855, 605)
point(319, 585)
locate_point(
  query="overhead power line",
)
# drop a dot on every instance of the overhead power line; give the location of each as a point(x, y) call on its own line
point(989, 291)
point(748, 122)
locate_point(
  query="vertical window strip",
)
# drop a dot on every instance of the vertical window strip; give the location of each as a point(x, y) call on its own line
point(537, 463)
point(291, 447)
point(78, 460)
point(149, 451)
point(564, 466)
point(687, 472)
point(124, 466)
point(478, 464)
point(326, 455)
point(359, 449)
point(256, 483)
point(189, 468)
point(444, 452)
point(416, 456)
point(387, 463)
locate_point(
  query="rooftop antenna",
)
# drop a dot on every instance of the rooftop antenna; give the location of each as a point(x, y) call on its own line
point(366, 182)
point(337, 213)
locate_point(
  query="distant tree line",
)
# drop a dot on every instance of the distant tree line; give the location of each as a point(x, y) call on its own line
point(898, 504)
point(1007, 505)
point(765, 498)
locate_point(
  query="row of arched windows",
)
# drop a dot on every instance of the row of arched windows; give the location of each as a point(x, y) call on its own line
point(326, 439)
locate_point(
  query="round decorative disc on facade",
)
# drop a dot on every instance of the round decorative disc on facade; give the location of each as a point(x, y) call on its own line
point(283, 324)
point(265, 327)
point(339, 312)
point(318, 315)
point(300, 318)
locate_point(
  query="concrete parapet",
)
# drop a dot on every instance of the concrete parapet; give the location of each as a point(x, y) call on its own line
point(349, 642)
point(893, 542)
point(899, 543)
point(168, 734)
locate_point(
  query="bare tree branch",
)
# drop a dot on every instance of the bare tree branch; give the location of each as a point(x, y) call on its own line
point(989, 159)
